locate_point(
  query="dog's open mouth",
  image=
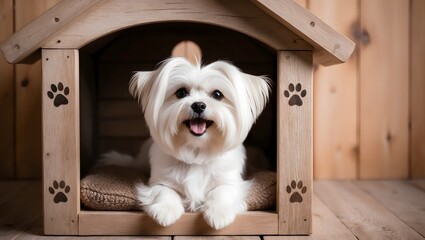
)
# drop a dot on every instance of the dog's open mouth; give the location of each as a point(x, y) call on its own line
point(198, 126)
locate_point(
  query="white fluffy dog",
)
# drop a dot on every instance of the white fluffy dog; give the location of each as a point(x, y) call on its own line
point(198, 117)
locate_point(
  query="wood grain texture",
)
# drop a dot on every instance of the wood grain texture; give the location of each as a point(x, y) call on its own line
point(240, 16)
point(419, 183)
point(29, 38)
point(295, 141)
point(325, 225)
point(138, 223)
point(417, 99)
point(35, 232)
point(7, 97)
point(404, 200)
point(363, 215)
point(217, 238)
point(384, 89)
point(20, 207)
point(61, 141)
point(335, 103)
point(28, 99)
point(331, 47)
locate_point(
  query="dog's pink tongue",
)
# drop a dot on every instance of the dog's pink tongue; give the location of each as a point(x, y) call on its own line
point(198, 125)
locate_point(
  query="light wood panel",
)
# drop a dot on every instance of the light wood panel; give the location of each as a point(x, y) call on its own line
point(335, 102)
point(384, 89)
point(241, 16)
point(29, 38)
point(363, 215)
point(217, 238)
point(417, 99)
point(295, 141)
point(325, 225)
point(404, 200)
point(138, 223)
point(28, 99)
point(7, 97)
point(61, 141)
point(330, 46)
point(35, 232)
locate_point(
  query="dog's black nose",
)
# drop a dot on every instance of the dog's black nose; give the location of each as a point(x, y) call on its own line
point(198, 107)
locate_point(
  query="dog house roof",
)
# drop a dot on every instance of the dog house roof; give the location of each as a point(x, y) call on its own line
point(283, 25)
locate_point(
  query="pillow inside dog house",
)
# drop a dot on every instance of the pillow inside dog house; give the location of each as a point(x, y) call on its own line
point(113, 188)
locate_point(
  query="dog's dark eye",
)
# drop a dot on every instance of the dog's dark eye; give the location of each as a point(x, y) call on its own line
point(217, 95)
point(181, 93)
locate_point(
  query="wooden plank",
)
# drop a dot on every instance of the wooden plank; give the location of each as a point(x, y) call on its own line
point(325, 225)
point(364, 216)
point(7, 98)
point(138, 223)
point(29, 38)
point(61, 141)
point(405, 201)
point(35, 232)
point(331, 47)
point(417, 99)
point(419, 183)
point(335, 105)
point(20, 206)
point(384, 89)
point(303, 3)
point(295, 141)
point(217, 238)
point(240, 16)
point(28, 99)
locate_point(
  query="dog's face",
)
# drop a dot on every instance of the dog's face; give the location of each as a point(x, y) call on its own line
point(196, 113)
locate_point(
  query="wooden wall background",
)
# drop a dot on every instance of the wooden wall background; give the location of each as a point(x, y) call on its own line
point(369, 113)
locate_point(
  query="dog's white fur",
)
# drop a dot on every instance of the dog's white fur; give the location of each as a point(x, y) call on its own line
point(188, 172)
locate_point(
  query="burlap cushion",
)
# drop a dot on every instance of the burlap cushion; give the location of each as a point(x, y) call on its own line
point(113, 188)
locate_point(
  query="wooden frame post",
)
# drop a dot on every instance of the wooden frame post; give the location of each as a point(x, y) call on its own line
point(295, 141)
point(61, 141)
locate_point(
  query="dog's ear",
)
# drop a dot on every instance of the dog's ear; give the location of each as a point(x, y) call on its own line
point(139, 85)
point(252, 89)
point(257, 90)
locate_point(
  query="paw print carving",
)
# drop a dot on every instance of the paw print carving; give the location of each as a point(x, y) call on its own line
point(58, 94)
point(295, 98)
point(59, 190)
point(296, 196)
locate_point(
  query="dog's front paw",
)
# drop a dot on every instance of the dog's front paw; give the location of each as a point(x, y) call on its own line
point(165, 213)
point(219, 218)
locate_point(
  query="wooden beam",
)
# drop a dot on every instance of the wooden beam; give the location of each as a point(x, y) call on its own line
point(240, 15)
point(331, 47)
point(138, 223)
point(61, 141)
point(7, 97)
point(30, 38)
point(295, 141)
point(417, 98)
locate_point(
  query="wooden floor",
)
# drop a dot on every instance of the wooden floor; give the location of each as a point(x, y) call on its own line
point(341, 210)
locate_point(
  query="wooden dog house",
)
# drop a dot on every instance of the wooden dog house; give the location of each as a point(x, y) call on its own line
point(295, 37)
